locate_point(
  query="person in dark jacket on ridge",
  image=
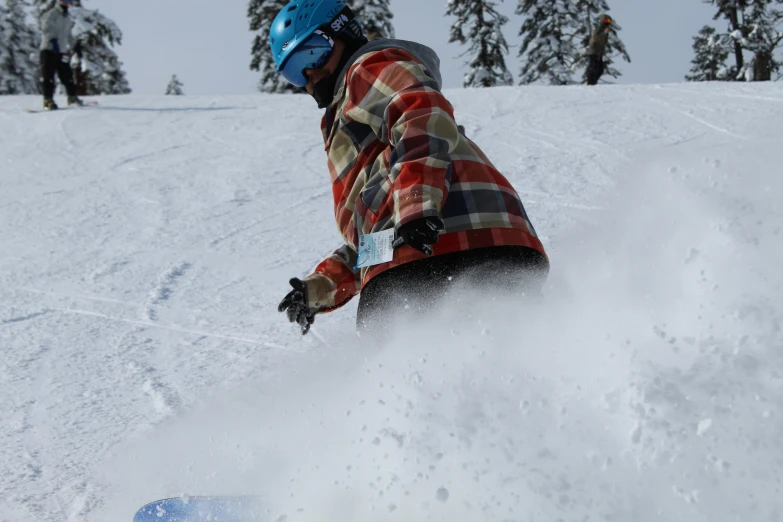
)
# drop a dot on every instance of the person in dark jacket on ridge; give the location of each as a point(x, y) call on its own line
point(56, 48)
point(596, 48)
point(419, 206)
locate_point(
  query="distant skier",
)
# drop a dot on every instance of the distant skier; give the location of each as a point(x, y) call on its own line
point(596, 48)
point(56, 47)
point(399, 165)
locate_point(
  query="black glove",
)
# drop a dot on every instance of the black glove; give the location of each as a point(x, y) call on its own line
point(419, 234)
point(77, 49)
point(295, 305)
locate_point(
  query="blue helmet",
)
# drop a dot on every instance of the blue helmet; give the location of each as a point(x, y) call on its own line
point(297, 21)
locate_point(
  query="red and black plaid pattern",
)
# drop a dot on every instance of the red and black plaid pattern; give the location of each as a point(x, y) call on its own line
point(395, 154)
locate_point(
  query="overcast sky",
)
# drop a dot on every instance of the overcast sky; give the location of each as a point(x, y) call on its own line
point(207, 43)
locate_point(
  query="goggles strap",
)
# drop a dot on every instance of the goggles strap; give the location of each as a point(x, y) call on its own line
point(342, 22)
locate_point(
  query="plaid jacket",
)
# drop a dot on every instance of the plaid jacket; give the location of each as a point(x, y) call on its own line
point(396, 154)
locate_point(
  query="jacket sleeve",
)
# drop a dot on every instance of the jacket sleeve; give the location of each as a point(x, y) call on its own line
point(48, 26)
point(334, 281)
point(68, 36)
point(396, 96)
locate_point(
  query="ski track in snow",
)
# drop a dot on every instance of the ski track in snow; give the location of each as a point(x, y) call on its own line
point(142, 356)
point(24, 317)
point(164, 288)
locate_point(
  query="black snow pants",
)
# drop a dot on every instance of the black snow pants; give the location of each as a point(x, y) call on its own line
point(51, 64)
point(408, 290)
point(595, 68)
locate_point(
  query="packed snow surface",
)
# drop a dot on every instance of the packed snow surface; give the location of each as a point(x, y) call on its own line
point(146, 242)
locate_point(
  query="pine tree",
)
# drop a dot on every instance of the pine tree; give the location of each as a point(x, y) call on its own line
point(41, 6)
point(753, 27)
point(763, 38)
point(480, 25)
point(175, 86)
point(376, 12)
point(103, 70)
point(589, 11)
point(548, 48)
point(711, 51)
point(97, 35)
point(18, 51)
point(731, 11)
point(261, 13)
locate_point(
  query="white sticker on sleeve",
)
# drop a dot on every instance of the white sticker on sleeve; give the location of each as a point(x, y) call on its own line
point(375, 249)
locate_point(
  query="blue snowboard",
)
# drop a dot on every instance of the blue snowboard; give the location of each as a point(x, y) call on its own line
point(201, 509)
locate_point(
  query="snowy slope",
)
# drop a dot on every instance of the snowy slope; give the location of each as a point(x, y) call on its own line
point(145, 243)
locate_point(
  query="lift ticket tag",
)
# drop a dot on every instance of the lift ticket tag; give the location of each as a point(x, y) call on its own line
point(375, 249)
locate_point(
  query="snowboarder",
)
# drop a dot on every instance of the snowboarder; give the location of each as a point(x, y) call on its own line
point(596, 48)
point(399, 165)
point(56, 47)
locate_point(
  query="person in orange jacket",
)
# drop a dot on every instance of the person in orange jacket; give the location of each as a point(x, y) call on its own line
point(596, 49)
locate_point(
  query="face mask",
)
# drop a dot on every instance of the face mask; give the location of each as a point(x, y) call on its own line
point(64, 8)
point(323, 91)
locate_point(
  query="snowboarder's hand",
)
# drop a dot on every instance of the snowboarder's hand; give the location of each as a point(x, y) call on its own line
point(419, 234)
point(295, 305)
point(55, 45)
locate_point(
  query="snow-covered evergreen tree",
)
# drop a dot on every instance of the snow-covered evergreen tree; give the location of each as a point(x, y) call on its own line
point(712, 51)
point(548, 49)
point(19, 72)
point(42, 6)
point(375, 11)
point(97, 36)
point(260, 14)
point(731, 11)
point(480, 26)
point(589, 11)
point(754, 29)
point(764, 36)
point(175, 86)
point(103, 69)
